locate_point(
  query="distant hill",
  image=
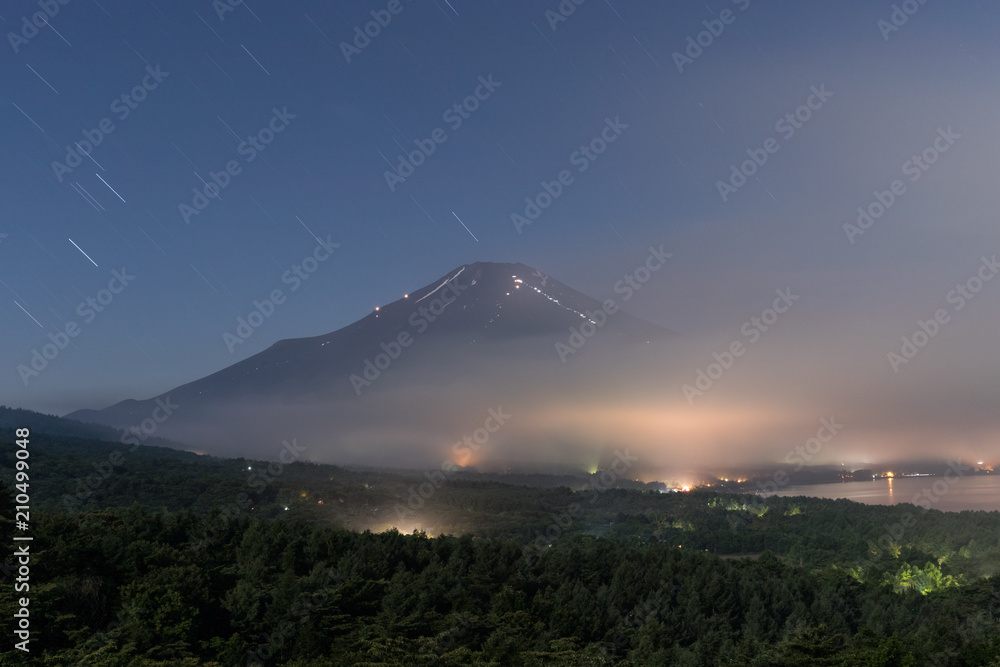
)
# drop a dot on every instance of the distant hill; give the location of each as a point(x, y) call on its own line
point(51, 425)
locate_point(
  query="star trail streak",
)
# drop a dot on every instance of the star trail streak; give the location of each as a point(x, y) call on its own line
point(219, 195)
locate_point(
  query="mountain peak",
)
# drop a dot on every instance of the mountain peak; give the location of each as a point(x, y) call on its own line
point(490, 316)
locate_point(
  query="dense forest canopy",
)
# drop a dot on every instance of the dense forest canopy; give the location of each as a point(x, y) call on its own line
point(148, 555)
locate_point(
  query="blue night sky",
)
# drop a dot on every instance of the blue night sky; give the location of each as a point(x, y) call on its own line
point(223, 71)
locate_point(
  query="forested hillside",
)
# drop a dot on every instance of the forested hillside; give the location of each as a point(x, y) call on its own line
point(155, 556)
point(129, 587)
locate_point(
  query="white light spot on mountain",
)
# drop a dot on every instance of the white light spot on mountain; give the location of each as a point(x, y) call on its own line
point(556, 301)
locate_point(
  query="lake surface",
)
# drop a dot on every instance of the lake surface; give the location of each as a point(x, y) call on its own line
point(975, 492)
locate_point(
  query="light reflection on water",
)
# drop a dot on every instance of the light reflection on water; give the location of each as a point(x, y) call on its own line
point(973, 492)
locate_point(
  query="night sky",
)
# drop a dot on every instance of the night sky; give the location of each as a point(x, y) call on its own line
point(833, 101)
